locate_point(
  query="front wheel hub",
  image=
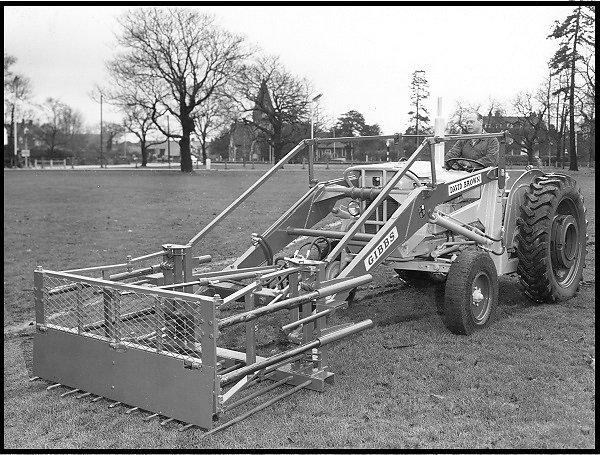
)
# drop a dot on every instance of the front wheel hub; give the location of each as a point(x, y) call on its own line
point(480, 298)
point(565, 235)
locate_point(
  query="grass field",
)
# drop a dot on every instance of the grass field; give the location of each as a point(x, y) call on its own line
point(527, 382)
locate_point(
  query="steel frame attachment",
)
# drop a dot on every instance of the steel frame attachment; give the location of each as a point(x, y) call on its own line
point(149, 332)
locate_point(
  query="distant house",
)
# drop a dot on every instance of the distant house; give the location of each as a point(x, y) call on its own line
point(517, 126)
point(504, 122)
point(333, 151)
point(127, 149)
point(163, 150)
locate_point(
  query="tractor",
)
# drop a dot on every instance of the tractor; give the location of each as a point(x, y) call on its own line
point(465, 227)
point(154, 335)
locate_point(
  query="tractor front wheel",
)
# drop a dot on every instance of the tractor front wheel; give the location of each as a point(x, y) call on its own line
point(471, 294)
point(551, 238)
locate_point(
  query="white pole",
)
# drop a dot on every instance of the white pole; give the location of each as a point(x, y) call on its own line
point(15, 138)
point(312, 126)
point(312, 122)
point(439, 131)
point(334, 143)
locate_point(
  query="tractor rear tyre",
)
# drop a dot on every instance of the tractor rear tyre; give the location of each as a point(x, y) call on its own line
point(471, 294)
point(551, 239)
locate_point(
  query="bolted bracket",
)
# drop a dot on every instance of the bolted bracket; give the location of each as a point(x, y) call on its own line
point(191, 365)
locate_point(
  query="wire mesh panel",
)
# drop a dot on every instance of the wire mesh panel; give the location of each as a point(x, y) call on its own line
point(142, 319)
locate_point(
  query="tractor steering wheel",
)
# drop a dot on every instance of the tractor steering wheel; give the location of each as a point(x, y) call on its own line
point(454, 163)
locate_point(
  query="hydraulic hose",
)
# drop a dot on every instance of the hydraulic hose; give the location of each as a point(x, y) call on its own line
point(264, 245)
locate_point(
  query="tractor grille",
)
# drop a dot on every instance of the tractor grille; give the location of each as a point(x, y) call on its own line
point(380, 216)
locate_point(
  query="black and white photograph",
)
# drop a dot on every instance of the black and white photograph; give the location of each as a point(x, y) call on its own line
point(299, 227)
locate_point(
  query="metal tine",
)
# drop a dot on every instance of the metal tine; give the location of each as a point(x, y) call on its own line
point(258, 393)
point(150, 417)
point(258, 408)
point(231, 368)
point(185, 427)
point(129, 411)
point(97, 399)
point(69, 392)
point(53, 386)
point(35, 378)
point(116, 403)
point(164, 422)
point(86, 394)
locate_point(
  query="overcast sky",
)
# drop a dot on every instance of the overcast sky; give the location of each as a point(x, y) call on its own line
point(359, 57)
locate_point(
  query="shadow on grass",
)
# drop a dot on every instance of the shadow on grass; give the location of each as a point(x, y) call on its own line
point(396, 302)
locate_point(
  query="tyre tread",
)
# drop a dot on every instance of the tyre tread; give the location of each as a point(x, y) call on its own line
point(533, 234)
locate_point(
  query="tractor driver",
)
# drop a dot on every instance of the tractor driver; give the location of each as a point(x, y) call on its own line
point(484, 150)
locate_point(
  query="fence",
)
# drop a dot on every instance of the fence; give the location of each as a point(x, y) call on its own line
point(168, 323)
point(44, 164)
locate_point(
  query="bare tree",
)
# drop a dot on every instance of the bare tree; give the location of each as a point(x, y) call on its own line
point(17, 90)
point(210, 118)
point(62, 123)
point(586, 103)
point(111, 131)
point(532, 130)
point(562, 112)
point(176, 59)
point(139, 122)
point(493, 107)
point(278, 101)
point(137, 118)
point(575, 32)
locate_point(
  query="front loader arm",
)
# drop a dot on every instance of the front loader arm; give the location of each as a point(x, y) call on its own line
point(411, 216)
point(311, 208)
point(404, 222)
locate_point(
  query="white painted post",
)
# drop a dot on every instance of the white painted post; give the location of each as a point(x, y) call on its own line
point(15, 141)
point(208, 164)
point(439, 127)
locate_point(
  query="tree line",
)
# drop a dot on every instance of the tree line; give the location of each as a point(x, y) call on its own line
point(559, 111)
point(176, 73)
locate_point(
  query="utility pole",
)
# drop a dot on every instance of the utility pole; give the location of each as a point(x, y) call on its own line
point(334, 142)
point(15, 160)
point(311, 154)
point(101, 139)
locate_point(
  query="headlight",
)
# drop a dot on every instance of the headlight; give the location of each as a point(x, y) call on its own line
point(354, 208)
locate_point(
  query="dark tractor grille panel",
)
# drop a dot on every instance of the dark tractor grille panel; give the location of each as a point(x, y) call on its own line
point(377, 218)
